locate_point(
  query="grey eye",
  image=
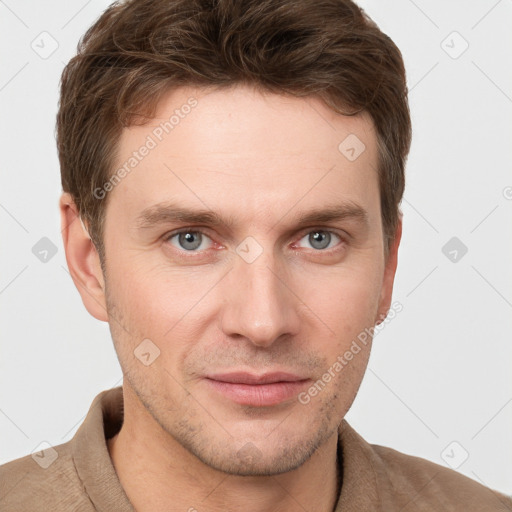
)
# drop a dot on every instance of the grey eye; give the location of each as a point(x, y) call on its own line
point(188, 240)
point(320, 239)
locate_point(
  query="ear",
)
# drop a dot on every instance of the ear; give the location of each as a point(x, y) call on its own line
point(389, 274)
point(82, 259)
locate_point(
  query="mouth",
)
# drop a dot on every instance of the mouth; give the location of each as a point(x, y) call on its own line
point(255, 390)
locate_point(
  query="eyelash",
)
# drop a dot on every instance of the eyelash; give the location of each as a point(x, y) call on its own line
point(197, 254)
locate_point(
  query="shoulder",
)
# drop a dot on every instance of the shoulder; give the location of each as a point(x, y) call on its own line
point(425, 485)
point(45, 480)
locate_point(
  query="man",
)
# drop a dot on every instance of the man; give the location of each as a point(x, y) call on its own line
point(232, 175)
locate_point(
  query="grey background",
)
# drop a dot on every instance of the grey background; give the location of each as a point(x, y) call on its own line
point(438, 383)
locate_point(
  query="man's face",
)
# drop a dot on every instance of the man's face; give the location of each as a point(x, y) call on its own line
point(263, 294)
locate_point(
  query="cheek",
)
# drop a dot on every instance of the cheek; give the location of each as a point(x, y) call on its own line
point(346, 299)
point(151, 295)
point(158, 304)
point(348, 306)
point(168, 304)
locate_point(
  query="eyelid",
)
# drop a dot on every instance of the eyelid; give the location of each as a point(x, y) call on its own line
point(339, 232)
point(172, 234)
point(189, 254)
point(342, 235)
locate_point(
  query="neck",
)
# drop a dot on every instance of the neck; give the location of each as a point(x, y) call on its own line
point(157, 473)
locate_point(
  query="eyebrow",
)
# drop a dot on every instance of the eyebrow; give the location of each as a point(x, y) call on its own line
point(166, 213)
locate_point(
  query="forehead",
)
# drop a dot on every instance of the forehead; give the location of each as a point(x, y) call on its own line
point(242, 147)
point(242, 117)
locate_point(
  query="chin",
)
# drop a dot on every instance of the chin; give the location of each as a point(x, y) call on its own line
point(264, 456)
point(250, 461)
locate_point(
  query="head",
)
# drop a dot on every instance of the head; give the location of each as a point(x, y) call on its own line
point(196, 139)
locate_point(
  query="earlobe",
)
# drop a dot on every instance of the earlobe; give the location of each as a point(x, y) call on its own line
point(82, 259)
point(389, 274)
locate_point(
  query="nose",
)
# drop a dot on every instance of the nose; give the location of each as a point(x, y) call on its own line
point(259, 302)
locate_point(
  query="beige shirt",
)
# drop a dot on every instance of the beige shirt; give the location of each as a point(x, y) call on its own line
point(79, 475)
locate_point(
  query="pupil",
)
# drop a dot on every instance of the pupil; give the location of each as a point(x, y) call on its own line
point(188, 238)
point(320, 237)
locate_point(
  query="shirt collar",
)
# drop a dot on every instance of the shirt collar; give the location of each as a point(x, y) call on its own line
point(365, 485)
point(91, 456)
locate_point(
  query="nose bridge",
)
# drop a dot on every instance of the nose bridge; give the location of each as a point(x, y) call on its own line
point(259, 306)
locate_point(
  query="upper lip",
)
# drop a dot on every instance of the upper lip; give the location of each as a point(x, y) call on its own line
point(251, 378)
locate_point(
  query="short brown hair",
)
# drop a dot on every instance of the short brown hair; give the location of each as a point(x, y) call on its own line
point(139, 50)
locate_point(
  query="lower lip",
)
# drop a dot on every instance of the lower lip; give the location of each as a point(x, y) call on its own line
point(259, 395)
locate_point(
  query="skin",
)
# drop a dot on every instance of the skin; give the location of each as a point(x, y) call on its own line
point(262, 159)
